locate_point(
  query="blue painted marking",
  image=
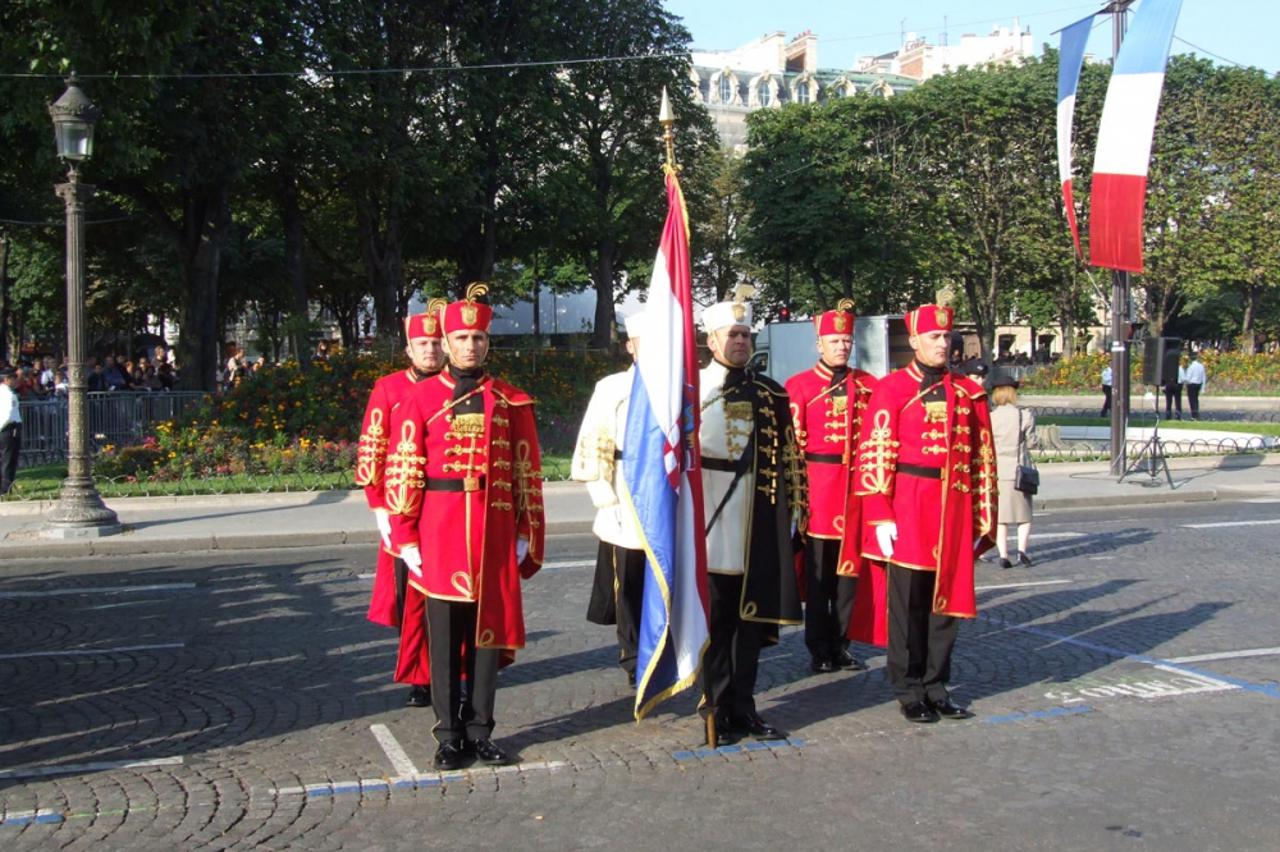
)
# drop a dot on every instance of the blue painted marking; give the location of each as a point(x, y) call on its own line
point(729, 749)
point(682, 755)
point(703, 752)
point(1270, 690)
point(374, 784)
point(756, 746)
point(429, 782)
point(777, 744)
point(796, 742)
point(404, 785)
point(1051, 713)
point(339, 789)
point(44, 819)
point(457, 776)
point(325, 791)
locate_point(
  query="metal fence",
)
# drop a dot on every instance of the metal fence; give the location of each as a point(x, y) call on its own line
point(118, 417)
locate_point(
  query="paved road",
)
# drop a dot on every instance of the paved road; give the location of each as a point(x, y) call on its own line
point(248, 691)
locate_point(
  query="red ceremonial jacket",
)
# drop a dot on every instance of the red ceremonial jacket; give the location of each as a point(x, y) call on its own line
point(946, 518)
point(827, 421)
point(371, 462)
point(464, 488)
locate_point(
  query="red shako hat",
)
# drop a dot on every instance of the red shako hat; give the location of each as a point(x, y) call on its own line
point(468, 314)
point(927, 318)
point(839, 321)
point(425, 324)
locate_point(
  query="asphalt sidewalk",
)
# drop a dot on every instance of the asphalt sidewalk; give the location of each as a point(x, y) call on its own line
point(257, 521)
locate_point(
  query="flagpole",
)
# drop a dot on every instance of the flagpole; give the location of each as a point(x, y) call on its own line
point(1119, 300)
point(667, 119)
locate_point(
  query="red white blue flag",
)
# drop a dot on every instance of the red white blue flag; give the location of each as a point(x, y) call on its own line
point(1070, 57)
point(663, 473)
point(1118, 199)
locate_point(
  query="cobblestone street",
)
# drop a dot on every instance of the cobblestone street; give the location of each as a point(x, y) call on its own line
point(241, 699)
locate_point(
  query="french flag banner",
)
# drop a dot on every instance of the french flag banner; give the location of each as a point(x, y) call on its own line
point(663, 475)
point(1118, 198)
point(1070, 57)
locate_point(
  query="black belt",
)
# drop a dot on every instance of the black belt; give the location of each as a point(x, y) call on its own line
point(9, 426)
point(476, 483)
point(617, 455)
point(725, 465)
point(824, 458)
point(920, 471)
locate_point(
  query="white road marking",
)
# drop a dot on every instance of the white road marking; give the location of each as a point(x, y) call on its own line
point(71, 768)
point(1231, 524)
point(1027, 584)
point(1185, 683)
point(576, 563)
point(333, 787)
point(1227, 655)
point(369, 575)
point(86, 652)
point(400, 761)
point(98, 590)
point(1041, 536)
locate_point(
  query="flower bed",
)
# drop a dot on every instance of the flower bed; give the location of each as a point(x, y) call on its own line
point(284, 420)
point(1228, 373)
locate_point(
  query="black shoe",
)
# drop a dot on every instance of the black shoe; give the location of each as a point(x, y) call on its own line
point(919, 711)
point(1024, 559)
point(822, 665)
point(487, 751)
point(845, 660)
point(1005, 563)
point(419, 696)
point(948, 709)
point(449, 755)
point(756, 727)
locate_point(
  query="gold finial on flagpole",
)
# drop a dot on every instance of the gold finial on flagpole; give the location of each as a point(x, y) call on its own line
point(667, 119)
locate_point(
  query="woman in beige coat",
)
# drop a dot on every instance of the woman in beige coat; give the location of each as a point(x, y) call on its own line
point(1008, 421)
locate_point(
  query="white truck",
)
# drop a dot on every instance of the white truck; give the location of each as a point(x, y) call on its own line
point(786, 348)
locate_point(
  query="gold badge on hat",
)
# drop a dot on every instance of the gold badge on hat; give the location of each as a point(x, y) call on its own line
point(475, 290)
point(739, 313)
point(841, 322)
point(941, 316)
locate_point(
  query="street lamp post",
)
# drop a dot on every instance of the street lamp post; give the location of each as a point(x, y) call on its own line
point(80, 512)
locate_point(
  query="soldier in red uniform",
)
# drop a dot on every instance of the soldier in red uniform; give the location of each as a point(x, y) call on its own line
point(926, 474)
point(827, 403)
point(464, 489)
point(392, 603)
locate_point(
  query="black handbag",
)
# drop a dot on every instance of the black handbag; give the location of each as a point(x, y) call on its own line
point(1026, 478)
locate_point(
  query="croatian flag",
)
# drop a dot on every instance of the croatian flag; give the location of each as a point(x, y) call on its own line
point(1070, 58)
point(1124, 138)
point(663, 475)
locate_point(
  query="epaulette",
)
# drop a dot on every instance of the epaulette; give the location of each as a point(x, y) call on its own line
point(769, 384)
point(511, 394)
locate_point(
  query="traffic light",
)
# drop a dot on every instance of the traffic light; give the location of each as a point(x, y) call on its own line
point(784, 314)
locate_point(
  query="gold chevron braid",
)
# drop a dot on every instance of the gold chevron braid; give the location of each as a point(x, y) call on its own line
point(406, 474)
point(987, 495)
point(371, 451)
point(878, 457)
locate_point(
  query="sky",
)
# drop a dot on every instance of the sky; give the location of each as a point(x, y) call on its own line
point(1242, 31)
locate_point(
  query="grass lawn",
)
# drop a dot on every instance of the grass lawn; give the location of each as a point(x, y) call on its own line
point(42, 482)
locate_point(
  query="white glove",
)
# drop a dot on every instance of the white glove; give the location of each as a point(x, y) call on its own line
point(412, 558)
point(522, 550)
point(886, 535)
point(383, 519)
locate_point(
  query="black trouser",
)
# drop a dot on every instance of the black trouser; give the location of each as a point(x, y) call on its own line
point(920, 643)
point(828, 600)
point(449, 625)
point(10, 443)
point(1106, 400)
point(729, 667)
point(1193, 399)
point(628, 588)
point(1172, 396)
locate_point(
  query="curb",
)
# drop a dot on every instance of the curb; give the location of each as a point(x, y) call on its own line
point(1205, 495)
point(127, 546)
